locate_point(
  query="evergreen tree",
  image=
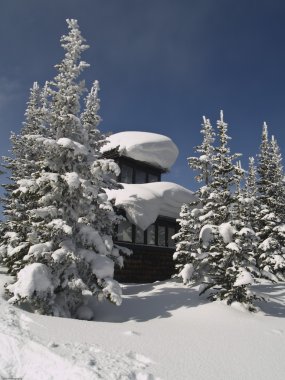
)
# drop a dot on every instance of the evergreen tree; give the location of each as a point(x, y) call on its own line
point(69, 246)
point(225, 176)
point(192, 215)
point(18, 201)
point(227, 261)
point(248, 214)
point(187, 241)
point(271, 214)
point(218, 261)
point(251, 201)
point(203, 162)
point(263, 168)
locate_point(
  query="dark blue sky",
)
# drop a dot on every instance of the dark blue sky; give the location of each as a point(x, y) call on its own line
point(162, 65)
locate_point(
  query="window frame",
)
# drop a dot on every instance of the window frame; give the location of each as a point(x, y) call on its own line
point(139, 166)
point(161, 221)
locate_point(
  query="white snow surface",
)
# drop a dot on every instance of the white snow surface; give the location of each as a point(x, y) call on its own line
point(227, 231)
point(152, 148)
point(233, 247)
point(243, 278)
point(32, 278)
point(72, 180)
point(78, 148)
point(268, 244)
point(101, 265)
point(161, 331)
point(186, 273)
point(143, 203)
point(207, 234)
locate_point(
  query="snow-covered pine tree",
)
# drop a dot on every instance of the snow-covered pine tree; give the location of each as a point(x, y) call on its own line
point(21, 166)
point(192, 214)
point(227, 261)
point(225, 175)
point(203, 162)
point(70, 250)
point(271, 222)
point(248, 215)
point(251, 202)
point(277, 188)
point(187, 241)
point(246, 203)
point(219, 262)
point(244, 221)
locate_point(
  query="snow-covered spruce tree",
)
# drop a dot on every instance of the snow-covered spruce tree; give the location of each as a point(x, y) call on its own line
point(246, 224)
point(219, 263)
point(228, 261)
point(251, 201)
point(245, 210)
point(192, 215)
point(271, 221)
point(187, 241)
point(70, 247)
point(203, 162)
point(21, 166)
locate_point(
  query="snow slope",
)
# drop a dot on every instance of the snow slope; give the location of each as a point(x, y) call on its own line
point(152, 148)
point(144, 202)
point(162, 331)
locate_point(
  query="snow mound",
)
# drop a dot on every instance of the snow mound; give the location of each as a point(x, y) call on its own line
point(78, 148)
point(151, 148)
point(32, 278)
point(243, 278)
point(233, 247)
point(207, 234)
point(227, 231)
point(186, 273)
point(143, 203)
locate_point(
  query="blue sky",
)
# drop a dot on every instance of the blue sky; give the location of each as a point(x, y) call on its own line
point(162, 65)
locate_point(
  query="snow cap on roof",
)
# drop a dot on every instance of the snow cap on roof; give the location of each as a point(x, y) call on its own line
point(152, 148)
point(143, 203)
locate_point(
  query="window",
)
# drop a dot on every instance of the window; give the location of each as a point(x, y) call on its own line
point(126, 174)
point(140, 176)
point(125, 231)
point(153, 178)
point(133, 172)
point(171, 232)
point(161, 236)
point(139, 236)
point(151, 234)
point(158, 234)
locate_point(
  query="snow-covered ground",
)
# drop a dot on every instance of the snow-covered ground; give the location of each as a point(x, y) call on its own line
point(161, 331)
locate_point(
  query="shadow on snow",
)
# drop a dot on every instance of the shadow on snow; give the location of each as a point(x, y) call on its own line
point(274, 295)
point(145, 302)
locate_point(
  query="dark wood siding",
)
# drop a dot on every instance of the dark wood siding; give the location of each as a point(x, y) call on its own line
point(146, 264)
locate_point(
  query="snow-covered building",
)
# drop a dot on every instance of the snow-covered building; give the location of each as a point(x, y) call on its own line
point(150, 206)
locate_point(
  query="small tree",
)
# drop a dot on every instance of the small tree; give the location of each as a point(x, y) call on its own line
point(21, 166)
point(70, 250)
point(203, 163)
point(192, 215)
point(271, 214)
point(217, 259)
point(250, 200)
